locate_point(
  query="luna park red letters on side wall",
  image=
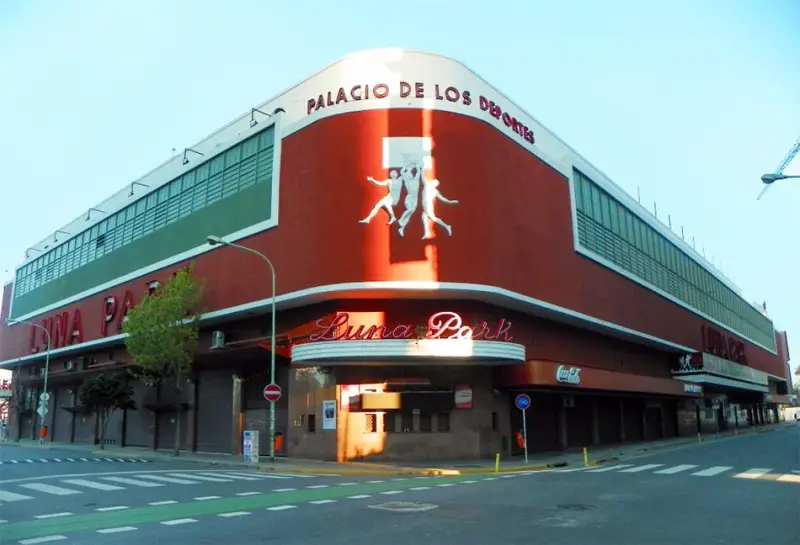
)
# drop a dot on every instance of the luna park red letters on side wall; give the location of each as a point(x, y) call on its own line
point(66, 328)
point(717, 343)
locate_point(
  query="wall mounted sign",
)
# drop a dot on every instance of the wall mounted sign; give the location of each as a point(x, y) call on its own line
point(418, 90)
point(688, 363)
point(406, 158)
point(568, 375)
point(329, 414)
point(720, 344)
point(708, 363)
point(441, 325)
point(693, 388)
point(463, 396)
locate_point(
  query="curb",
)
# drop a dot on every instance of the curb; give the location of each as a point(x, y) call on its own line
point(602, 461)
point(410, 472)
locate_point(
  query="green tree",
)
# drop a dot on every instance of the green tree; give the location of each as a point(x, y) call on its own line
point(162, 335)
point(103, 395)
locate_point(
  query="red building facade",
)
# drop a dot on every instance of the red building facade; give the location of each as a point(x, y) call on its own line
point(497, 261)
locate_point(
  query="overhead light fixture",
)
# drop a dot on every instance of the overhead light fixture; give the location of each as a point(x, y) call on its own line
point(135, 184)
point(89, 212)
point(185, 150)
point(253, 121)
point(55, 235)
point(279, 110)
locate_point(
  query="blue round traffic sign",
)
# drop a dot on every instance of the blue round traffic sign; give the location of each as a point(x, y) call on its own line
point(523, 401)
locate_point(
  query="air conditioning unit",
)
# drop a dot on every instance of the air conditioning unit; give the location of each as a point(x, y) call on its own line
point(217, 339)
point(69, 366)
point(569, 401)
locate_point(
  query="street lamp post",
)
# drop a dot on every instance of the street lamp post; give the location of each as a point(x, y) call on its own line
point(46, 368)
point(214, 240)
point(769, 178)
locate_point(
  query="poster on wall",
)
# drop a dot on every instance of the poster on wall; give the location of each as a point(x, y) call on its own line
point(329, 414)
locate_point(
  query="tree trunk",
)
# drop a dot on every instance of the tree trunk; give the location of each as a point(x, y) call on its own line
point(101, 429)
point(178, 414)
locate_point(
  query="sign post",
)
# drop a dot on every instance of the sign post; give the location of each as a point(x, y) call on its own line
point(272, 393)
point(523, 402)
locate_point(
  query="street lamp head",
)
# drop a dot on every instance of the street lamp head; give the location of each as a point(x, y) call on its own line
point(769, 178)
point(214, 240)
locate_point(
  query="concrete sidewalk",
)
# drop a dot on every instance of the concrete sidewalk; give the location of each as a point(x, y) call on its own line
point(538, 461)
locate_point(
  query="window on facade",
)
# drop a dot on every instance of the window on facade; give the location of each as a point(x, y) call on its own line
point(245, 164)
point(370, 423)
point(611, 231)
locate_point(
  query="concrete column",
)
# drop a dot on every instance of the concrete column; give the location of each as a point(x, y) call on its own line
point(663, 421)
point(236, 411)
point(622, 420)
point(595, 423)
point(563, 439)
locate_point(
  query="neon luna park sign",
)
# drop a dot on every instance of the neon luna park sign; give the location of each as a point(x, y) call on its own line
point(442, 325)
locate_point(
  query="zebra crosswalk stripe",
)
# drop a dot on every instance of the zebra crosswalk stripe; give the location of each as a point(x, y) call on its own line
point(171, 480)
point(6, 496)
point(92, 484)
point(234, 476)
point(267, 476)
point(753, 473)
point(132, 482)
point(609, 468)
point(674, 469)
point(199, 477)
point(50, 489)
point(638, 469)
point(711, 471)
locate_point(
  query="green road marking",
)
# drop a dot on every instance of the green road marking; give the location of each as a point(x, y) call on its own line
point(129, 517)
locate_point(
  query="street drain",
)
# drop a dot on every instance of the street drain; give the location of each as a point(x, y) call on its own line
point(575, 507)
point(404, 506)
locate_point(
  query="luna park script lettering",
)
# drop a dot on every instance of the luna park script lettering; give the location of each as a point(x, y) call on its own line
point(449, 93)
point(442, 325)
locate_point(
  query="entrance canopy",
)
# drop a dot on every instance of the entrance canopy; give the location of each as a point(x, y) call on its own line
point(408, 352)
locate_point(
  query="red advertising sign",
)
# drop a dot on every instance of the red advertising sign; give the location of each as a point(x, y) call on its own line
point(463, 396)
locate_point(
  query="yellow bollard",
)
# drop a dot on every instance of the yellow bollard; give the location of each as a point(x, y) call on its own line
point(585, 457)
point(497, 463)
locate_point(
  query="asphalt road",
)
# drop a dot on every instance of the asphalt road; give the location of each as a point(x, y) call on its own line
point(739, 491)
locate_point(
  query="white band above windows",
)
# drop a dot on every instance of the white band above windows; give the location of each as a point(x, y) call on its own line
point(423, 352)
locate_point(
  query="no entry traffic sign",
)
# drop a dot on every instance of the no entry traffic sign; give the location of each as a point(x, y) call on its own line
point(272, 392)
point(522, 401)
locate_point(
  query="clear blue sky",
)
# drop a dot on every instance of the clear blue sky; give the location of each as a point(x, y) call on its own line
point(691, 100)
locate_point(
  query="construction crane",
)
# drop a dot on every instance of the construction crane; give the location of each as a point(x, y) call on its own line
point(768, 179)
